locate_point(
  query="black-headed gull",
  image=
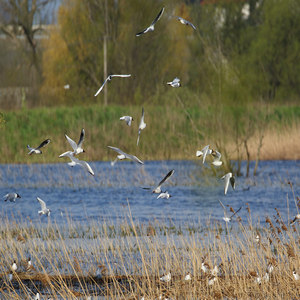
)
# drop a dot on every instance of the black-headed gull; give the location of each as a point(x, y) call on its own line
point(44, 210)
point(175, 83)
point(166, 278)
point(164, 195)
point(37, 149)
point(14, 266)
point(77, 147)
point(296, 275)
point(109, 78)
point(157, 190)
point(204, 153)
point(225, 218)
point(123, 155)
point(185, 22)
point(228, 177)
point(11, 197)
point(141, 126)
point(217, 158)
point(75, 161)
point(188, 277)
point(127, 119)
point(297, 217)
point(37, 296)
point(151, 27)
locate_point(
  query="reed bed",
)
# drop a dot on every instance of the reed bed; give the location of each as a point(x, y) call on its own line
point(105, 260)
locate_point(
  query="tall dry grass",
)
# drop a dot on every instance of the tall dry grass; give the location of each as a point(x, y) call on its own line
point(126, 260)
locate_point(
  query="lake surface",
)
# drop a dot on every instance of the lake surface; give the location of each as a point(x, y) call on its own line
point(195, 191)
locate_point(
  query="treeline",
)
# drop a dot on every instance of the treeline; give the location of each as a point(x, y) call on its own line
point(241, 52)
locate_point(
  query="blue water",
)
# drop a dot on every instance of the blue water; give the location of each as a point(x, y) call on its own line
point(195, 191)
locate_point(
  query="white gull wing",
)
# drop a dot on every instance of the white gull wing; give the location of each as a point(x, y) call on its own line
point(71, 142)
point(127, 119)
point(151, 27)
point(42, 203)
point(205, 151)
point(101, 87)
point(120, 75)
point(227, 178)
point(82, 163)
point(129, 156)
point(186, 22)
point(141, 126)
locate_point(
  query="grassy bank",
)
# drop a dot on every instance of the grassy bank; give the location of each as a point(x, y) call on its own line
point(172, 132)
point(126, 260)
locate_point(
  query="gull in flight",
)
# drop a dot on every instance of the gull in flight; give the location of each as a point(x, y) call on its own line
point(297, 217)
point(44, 210)
point(151, 27)
point(11, 197)
point(141, 126)
point(109, 78)
point(158, 190)
point(228, 219)
point(77, 147)
point(185, 22)
point(127, 119)
point(166, 278)
point(123, 155)
point(175, 83)
point(37, 149)
point(204, 153)
point(228, 177)
point(217, 158)
point(164, 195)
point(75, 161)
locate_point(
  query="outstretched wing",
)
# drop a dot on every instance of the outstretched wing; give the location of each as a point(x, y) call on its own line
point(135, 159)
point(101, 87)
point(118, 150)
point(71, 142)
point(86, 166)
point(166, 178)
point(42, 203)
point(43, 144)
point(226, 178)
point(120, 75)
point(158, 16)
point(81, 138)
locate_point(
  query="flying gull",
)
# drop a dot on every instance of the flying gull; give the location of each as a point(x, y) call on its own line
point(151, 27)
point(77, 147)
point(109, 78)
point(228, 219)
point(204, 153)
point(175, 83)
point(75, 161)
point(11, 197)
point(164, 195)
point(37, 149)
point(228, 177)
point(158, 190)
point(127, 119)
point(123, 155)
point(185, 22)
point(44, 210)
point(217, 158)
point(141, 126)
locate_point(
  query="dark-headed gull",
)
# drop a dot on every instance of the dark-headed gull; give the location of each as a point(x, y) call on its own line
point(228, 177)
point(14, 266)
point(109, 78)
point(217, 158)
point(188, 277)
point(44, 210)
point(175, 83)
point(228, 219)
point(75, 161)
point(164, 195)
point(127, 119)
point(297, 217)
point(157, 190)
point(37, 149)
point(141, 126)
point(123, 155)
point(11, 197)
point(151, 27)
point(77, 147)
point(296, 275)
point(185, 22)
